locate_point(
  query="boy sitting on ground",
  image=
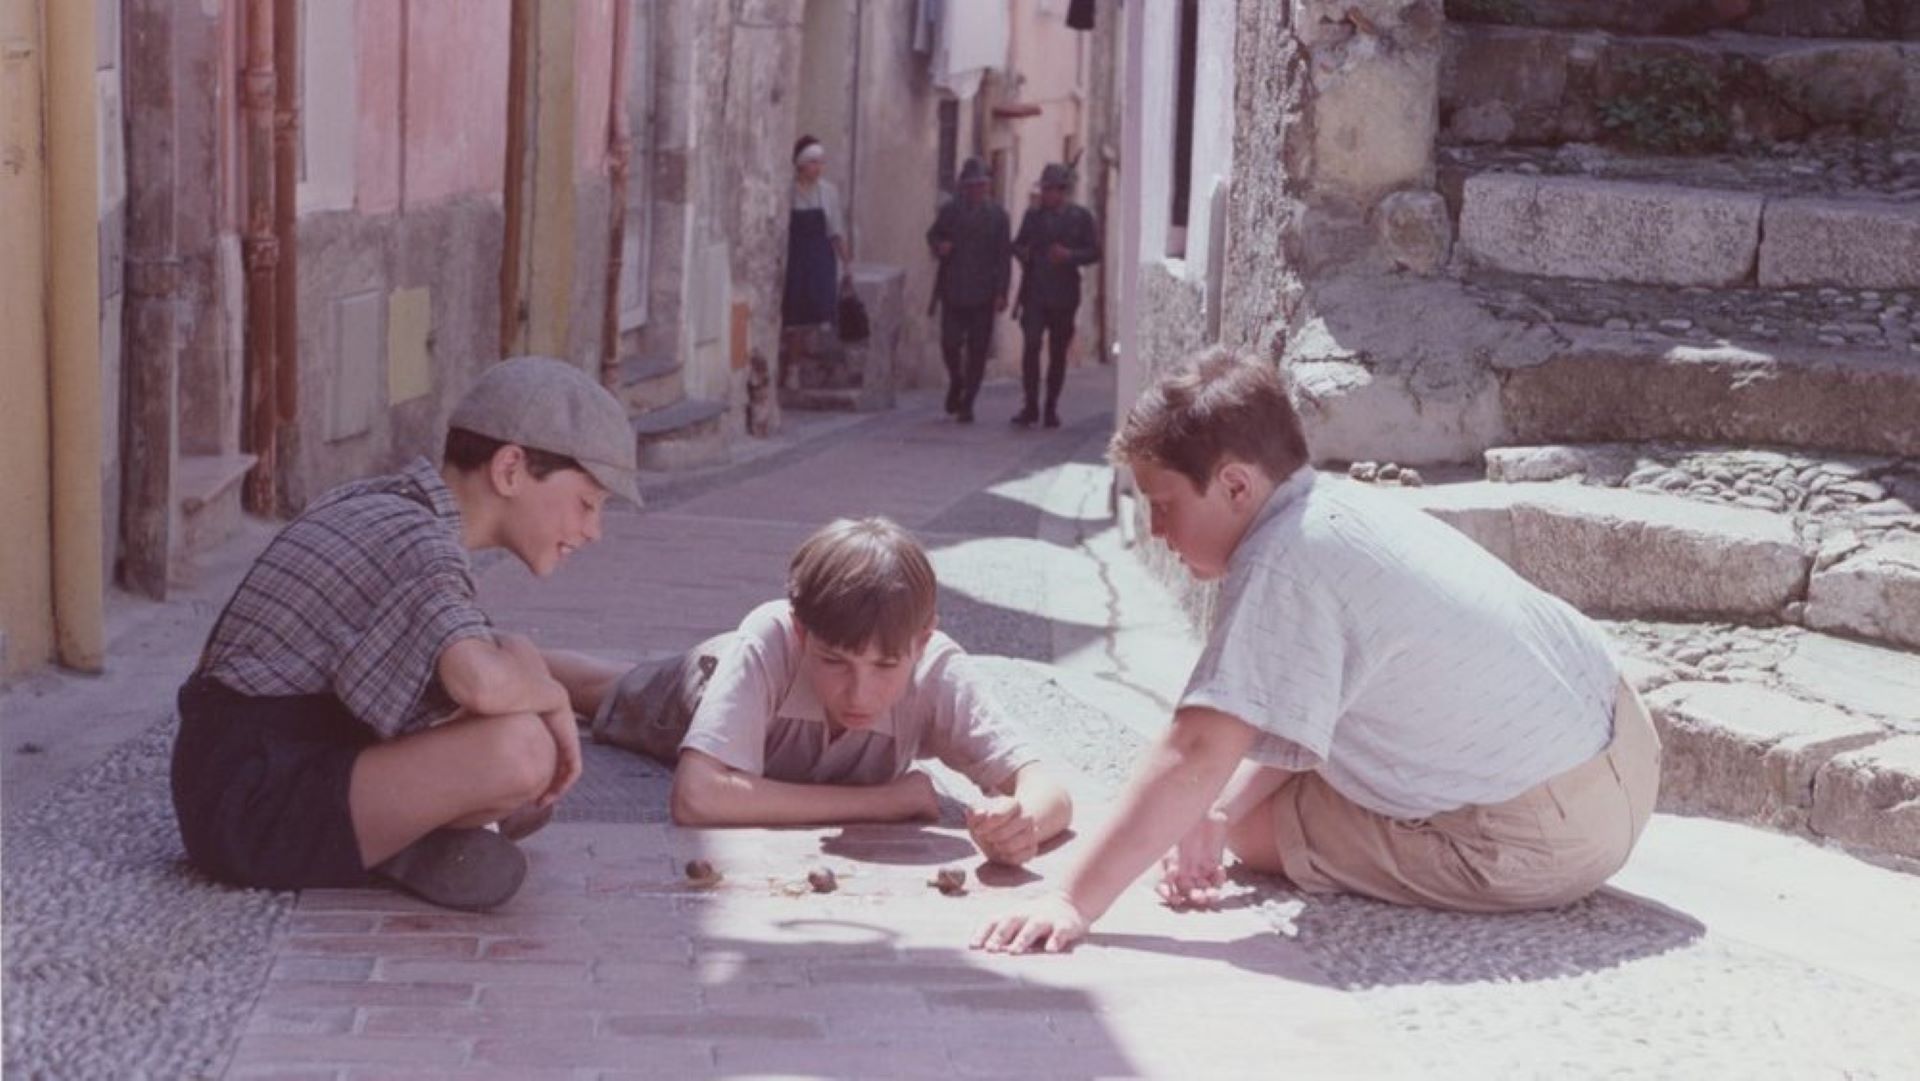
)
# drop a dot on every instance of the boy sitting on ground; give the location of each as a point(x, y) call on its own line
point(1382, 706)
point(814, 711)
point(354, 716)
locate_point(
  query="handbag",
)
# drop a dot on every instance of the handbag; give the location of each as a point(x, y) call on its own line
point(852, 323)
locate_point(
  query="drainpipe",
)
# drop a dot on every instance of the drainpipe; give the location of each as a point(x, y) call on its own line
point(619, 152)
point(73, 336)
point(261, 251)
point(853, 123)
point(286, 179)
point(514, 186)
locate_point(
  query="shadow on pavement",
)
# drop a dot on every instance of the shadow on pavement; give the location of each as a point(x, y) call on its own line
point(1362, 943)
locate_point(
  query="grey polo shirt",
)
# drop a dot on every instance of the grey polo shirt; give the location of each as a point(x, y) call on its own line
point(1378, 645)
point(759, 717)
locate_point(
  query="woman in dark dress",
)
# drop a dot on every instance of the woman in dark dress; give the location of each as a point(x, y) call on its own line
point(819, 264)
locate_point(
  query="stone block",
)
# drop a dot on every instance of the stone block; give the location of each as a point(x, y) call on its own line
point(1602, 388)
point(1415, 231)
point(1571, 227)
point(1840, 84)
point(1603, 464)
point(1609, 550)
point(1499, 84)
point(1352, 412)
point(1748, 752)
point(1870, 798)
point(1482, 511)
point(1857, 245)
point(1857, 676)
point(1875, 593)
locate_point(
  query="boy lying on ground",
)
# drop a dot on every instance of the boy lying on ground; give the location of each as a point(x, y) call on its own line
point(1381, 707)
point(815, 710)
point(354, 715)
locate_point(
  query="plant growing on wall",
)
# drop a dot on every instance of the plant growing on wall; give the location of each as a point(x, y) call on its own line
point(1672, 106)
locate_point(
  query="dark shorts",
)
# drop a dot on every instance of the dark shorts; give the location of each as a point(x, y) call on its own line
point(260, 787)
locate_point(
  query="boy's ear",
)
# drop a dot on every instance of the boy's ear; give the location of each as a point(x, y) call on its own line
point(1237, 479)
point(506, 468)
point(920, 640)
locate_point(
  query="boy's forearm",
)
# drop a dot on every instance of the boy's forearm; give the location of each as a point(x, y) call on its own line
point(1046, 799)
point(491, 678)
point(1179, 781)
point(1250, 786)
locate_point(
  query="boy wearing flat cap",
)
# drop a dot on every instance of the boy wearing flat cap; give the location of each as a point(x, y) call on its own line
point(355, 717)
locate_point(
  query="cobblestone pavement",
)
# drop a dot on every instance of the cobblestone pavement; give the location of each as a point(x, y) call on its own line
point(1721, 951)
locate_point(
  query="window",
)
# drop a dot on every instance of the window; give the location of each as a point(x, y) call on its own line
point(947, 162)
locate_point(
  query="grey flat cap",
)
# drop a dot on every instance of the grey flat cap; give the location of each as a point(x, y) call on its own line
point(547, 404)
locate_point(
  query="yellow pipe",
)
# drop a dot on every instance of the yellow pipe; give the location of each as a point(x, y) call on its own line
point(73, 334)
point(26, 590)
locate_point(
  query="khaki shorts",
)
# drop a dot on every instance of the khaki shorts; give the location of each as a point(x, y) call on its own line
point(651, 708)
point(1550, 845)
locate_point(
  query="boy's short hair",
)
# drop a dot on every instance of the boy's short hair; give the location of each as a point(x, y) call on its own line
point(862, 582)
point(468, 451)
point(1215, 405)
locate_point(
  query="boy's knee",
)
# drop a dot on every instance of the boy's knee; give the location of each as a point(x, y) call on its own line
point(523, 754)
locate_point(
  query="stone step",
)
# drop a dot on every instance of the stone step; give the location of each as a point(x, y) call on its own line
point(1600, 385)
point(691, 432)
point(1791, 18)
point(1626, 553)
point(1859, 518)
point(207, 489)
point(649, 383)
point(1760, 320)
point(1656, 233)
point(1786, 728)
point(1502, 84)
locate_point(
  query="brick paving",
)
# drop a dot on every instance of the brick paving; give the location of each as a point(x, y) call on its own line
point(609, 964)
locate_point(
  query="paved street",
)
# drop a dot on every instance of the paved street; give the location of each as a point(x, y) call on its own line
point(1721, 951)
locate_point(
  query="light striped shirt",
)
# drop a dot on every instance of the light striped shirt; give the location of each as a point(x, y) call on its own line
point(1414, 670)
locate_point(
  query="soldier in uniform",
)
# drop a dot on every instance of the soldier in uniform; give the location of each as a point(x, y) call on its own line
point(970, 239)
point(1056, 239)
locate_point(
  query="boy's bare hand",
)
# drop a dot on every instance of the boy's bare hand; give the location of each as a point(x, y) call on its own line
point(918, 799)
point(1050, 923)
point(1004, 830)
point(1192, 871)
point(566, 760)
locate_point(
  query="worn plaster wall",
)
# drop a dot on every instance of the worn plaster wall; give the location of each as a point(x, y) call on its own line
point(400, 247)
point(1332, 110)
point(899, 160)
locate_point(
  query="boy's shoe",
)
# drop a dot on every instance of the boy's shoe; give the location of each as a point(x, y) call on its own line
point(526, 821)
point(469, 869)
point(1025, 417)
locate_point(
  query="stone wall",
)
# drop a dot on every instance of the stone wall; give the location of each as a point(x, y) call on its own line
point(398, 314)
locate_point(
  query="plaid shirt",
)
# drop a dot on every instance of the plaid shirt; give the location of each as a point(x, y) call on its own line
point(357, 597)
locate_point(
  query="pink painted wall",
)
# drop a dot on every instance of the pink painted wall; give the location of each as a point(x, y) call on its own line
point(593, 83)
point(456, 98)
point(377, 144)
